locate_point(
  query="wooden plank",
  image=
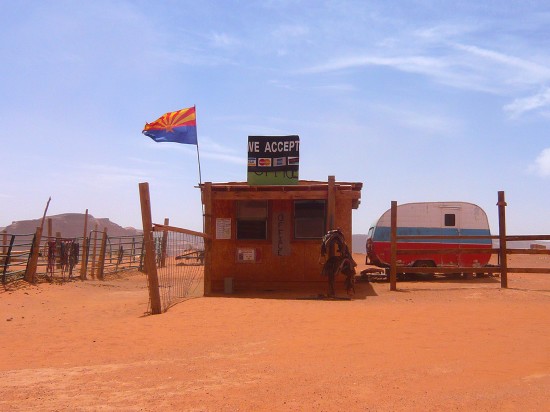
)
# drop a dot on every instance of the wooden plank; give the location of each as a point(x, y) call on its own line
point(528, 237)
point(404, 251)
point(159, 228)
point(314, 195)
point(528, 251)
point(458, 237)
point(207, 200)
point(448, 270)
point(297, 195)
point(529, 270)
point(331, 203)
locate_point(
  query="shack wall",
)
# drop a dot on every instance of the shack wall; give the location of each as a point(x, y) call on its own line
point(301, 268)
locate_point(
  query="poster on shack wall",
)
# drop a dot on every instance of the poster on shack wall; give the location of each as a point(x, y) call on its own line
point(273, 160)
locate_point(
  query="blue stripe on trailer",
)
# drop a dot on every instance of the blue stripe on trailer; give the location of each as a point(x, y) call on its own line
point(382, 234)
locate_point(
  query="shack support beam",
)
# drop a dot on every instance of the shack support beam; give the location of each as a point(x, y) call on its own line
point(331, 202)
point(207, 202)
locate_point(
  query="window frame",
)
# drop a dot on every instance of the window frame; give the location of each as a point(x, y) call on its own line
point(297, 220)
point(243, 219)
point(446, 218)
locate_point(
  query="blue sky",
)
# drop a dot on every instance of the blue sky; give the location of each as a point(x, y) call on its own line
point(419, 100)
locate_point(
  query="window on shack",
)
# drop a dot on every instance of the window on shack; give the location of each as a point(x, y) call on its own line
point(450, 219)
point(309, 219)
point(251, 219)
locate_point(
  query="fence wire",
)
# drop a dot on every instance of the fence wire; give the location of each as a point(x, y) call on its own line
point(180, 266)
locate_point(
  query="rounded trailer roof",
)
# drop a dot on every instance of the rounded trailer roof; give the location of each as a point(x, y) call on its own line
point(429, 214)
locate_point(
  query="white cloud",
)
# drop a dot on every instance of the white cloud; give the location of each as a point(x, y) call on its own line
point(417, 64)
point(541, 165)
point(537, 71)
point(441, 32)
point(528, 104)
point(223, 40)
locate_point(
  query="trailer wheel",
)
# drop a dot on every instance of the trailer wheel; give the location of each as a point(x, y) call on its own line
point(424, 264)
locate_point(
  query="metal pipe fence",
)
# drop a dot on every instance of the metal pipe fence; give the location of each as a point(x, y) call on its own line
point(61, 258)
point(14, 255)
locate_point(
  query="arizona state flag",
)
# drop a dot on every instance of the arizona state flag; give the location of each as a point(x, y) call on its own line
point(178, 127)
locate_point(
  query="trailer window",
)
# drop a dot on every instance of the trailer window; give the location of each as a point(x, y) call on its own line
point(450, 219)
point(309, 219)
point(251, 219)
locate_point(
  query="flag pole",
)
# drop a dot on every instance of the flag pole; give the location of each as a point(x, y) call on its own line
point(198, 157)
point(200, 177)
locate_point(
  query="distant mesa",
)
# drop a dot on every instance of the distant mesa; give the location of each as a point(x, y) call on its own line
point(70, 225)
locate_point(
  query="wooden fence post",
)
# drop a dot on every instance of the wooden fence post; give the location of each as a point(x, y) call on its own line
point(84, 255)
point(150, 263)
point(30, 273)
point(94, 249)
point(331, 202)
point(164, 245)
point(102, 254)
point(502, 240)
point(393, 246)
point(58, 241)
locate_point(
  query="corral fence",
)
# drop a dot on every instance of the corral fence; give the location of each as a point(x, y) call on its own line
point(502, 251)
point(55, 258)
point(174, 259)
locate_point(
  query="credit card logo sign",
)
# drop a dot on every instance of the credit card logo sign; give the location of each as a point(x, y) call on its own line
point(264, 162)
point(251, 162)
point(279, 161)
point(293, 161)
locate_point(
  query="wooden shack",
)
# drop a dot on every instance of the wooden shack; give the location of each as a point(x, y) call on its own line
point(269, 237)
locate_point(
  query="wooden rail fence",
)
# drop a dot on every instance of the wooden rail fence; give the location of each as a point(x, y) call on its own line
point(502, 251)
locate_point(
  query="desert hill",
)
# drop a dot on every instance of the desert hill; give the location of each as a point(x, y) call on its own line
point(70, 225)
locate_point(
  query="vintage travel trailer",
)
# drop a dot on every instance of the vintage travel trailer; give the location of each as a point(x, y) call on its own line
point(432, 218)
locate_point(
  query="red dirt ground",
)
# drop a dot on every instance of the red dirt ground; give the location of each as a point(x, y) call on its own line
point(435, 345)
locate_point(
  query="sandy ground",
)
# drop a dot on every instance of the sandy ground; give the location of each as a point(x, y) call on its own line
point(434, 345)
